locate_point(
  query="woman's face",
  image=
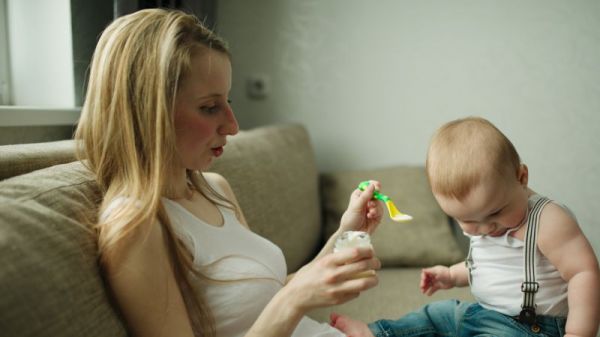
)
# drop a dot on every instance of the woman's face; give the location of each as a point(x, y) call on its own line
point(203, 116)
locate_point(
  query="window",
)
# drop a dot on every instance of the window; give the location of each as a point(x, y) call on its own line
point(40, 53)
point(5, 97)
point(36, 65)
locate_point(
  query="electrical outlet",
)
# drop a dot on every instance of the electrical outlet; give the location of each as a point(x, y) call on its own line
point(257, 86)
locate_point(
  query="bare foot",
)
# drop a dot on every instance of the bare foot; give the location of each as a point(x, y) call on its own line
point(352, 328)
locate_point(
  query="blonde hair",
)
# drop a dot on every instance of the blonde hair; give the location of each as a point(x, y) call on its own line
point(465, 152)
point(126, 132)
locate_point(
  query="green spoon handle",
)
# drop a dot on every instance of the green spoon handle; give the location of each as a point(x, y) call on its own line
point(363, 185)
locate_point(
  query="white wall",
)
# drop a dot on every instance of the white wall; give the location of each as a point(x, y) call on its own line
point(372, 80)
point(41, 53)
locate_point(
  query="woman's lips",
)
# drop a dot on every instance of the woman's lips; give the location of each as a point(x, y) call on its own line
point(217, 151)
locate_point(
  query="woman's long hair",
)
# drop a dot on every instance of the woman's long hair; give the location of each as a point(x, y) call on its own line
point(126, 131)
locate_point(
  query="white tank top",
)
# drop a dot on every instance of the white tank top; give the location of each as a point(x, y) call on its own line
point(252, 267)
point(496, 270)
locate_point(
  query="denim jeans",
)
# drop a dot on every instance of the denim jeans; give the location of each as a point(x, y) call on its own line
point(461, 319)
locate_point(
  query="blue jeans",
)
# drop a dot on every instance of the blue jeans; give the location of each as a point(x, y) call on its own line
point(461, 319)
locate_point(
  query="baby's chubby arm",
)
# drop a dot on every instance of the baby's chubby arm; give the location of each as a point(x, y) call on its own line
point(442, 277)
point(564, 244)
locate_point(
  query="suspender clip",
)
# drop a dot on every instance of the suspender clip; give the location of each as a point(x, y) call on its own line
point(530, 287)
point(527, 316)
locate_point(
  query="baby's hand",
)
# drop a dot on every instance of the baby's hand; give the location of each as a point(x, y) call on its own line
point(363, 212)
point(435, 278)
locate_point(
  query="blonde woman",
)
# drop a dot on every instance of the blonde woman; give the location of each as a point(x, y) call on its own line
point(156, 114)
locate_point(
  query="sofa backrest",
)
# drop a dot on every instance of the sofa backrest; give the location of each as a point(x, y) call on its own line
point(49, 279)
point(50, 283)
point(273, 172)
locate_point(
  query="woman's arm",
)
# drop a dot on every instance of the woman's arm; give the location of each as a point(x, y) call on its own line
point(324, 282)
point(327, 280)
point(563, 243)
point(142, 281)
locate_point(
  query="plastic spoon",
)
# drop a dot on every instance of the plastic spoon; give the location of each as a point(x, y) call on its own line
point(395, 214)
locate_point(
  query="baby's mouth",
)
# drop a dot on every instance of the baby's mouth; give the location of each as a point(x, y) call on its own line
point(497, 233)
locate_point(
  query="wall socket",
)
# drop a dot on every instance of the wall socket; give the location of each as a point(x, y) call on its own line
point(257, 86)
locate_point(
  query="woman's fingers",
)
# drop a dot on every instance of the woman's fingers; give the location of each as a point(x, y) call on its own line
point(350, 269)
point(335, 278)
point(350, 255)
point(376, 184)
point(367, 194)
point(352, 263)
point(349, 289)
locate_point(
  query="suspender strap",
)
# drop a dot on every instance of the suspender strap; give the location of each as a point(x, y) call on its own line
point(529, 286)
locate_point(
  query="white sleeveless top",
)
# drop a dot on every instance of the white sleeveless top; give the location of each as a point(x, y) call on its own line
point(251, 270)
point(496, 269)
point(252, 267)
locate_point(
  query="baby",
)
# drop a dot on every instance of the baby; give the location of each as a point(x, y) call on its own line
point(530, 267)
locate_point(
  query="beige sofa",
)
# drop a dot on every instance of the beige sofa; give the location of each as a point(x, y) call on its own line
point(49, 279)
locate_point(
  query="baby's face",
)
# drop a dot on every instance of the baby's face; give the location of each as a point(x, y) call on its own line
point(491, 208)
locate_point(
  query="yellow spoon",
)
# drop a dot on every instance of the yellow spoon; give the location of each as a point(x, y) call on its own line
point(394, 213)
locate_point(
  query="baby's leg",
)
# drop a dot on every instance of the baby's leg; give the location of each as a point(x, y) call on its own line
point(350, 327)
point(434, 319)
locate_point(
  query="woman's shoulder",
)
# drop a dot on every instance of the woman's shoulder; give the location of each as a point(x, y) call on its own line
point(213, 177)
point(115, 204)
point(219, 183)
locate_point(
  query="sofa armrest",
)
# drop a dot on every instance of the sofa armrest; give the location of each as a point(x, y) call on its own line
point(24, 158)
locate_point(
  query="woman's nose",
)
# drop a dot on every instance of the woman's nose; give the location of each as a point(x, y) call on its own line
point(230, 125)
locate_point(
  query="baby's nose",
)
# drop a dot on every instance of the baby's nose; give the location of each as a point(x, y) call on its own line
point(471, 229)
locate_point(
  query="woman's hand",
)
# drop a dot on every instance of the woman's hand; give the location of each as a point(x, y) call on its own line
point(331, 280)
point(325, 281)
point(363, 212)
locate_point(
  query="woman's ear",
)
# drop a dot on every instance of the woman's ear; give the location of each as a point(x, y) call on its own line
point(523, 175)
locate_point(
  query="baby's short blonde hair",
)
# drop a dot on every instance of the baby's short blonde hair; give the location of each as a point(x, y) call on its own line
point(467, 151)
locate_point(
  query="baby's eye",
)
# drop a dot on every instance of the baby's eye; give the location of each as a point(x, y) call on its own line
point(496, 212)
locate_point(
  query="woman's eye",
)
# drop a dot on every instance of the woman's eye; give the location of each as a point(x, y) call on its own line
point(215, 107)
point(210, 109)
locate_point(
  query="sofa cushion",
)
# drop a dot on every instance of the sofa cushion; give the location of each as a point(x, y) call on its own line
point(273, 173)
point(396, 295)
point(50, 283)
point(424, 241)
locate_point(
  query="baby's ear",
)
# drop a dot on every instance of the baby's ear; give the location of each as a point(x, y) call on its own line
point(523, 175)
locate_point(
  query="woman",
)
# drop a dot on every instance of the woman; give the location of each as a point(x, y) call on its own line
point(174, 246)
